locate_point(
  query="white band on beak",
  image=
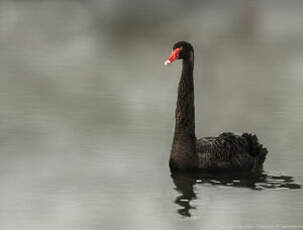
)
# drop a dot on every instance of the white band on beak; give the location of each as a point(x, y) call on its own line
point(167, 62)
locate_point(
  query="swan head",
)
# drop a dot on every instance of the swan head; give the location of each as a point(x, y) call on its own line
point(181, 50)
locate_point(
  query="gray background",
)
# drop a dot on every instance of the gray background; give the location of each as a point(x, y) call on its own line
point(87, 110)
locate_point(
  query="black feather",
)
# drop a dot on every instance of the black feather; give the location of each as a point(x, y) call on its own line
point(231, 152)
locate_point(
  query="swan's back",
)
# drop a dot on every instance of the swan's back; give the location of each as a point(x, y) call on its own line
point(231, 152)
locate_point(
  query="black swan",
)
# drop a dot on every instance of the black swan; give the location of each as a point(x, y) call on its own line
point(227, 152)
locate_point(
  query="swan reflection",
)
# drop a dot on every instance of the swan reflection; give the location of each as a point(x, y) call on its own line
point(185, 183)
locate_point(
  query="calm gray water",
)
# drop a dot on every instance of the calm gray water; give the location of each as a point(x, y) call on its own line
point(87, 113)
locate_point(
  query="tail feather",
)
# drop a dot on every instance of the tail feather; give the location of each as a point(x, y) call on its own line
point(255, 149)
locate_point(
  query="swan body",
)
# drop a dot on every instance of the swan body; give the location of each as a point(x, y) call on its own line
point(230, 152)
point(227, 152)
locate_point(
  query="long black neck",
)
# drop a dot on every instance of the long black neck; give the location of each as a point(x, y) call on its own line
point(183, 154)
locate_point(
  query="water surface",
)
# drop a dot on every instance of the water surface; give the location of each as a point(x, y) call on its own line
point(87, 113)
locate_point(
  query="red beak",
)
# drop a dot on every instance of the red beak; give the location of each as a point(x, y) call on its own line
point(173, 56)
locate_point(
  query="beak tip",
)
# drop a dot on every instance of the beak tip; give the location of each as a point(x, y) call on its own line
point(167, 62)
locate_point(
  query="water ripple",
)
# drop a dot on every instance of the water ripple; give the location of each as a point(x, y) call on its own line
point(185, 185)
